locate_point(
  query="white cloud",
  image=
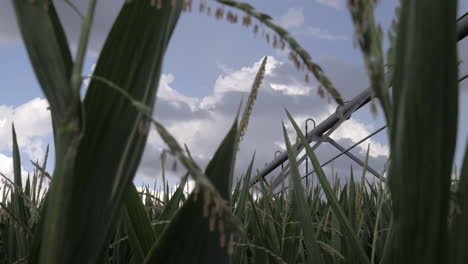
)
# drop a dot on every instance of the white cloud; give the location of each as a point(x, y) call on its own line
point(32, 124)
point(169, 94)
point(321, 34)
point(237, 81)
point(6, 165)
point(354, 130)
point(337, 4)
point(294, 17)
point(291, 89)
point(201, 123)
point(6, 168)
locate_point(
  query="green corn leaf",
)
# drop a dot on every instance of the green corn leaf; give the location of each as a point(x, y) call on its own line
point(27, 188)
point(140, 233)
point(19, 208)
point(49, 53)
point(348, 229)
point(172, 206)
point(352, 200)
point(375, 234)
point(89, 186)
point(237, 189)
point(242, 204)
point(424, 133)
point(12, 253)
point(257, 228)
point(121, 251)
point(310, 238)
point(197, 233)
point(291, 246)
point(273, 240)
point(16, 162)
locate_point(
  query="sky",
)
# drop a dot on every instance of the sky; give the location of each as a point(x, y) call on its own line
point(208, 68)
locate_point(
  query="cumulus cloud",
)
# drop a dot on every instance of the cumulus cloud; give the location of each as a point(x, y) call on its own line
point(168, 94)
point(294, 17)
point(201, 123)
point(32, 123)
point(337, 4)
point(354, 131)
point(6, 165)
point(321, 34)
point(6, 168)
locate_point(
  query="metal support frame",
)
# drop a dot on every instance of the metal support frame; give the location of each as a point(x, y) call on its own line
point(282, 164)
point(323, 130)
point(351, 156)
point(343, 153)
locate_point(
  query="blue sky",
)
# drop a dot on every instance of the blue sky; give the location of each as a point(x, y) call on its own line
point(209, 67)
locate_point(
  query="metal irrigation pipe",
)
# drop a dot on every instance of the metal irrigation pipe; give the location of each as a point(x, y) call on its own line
point(462, 27)
point(282, 167)
point(353, 105)
point(349, 107)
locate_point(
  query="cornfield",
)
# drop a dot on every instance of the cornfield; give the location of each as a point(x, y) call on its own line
point(89, 211)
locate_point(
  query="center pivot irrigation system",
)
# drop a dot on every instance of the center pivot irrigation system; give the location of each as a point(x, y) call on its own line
point(321, 132)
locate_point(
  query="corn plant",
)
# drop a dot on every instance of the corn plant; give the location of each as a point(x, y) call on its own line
point(86, 192)
point(92, 213)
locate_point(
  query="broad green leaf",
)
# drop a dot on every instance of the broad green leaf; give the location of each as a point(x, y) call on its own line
point(424, 133)
point(47, 46)
point(19, 208)
point(120, 245)
point(86, 195)
point(197, 233)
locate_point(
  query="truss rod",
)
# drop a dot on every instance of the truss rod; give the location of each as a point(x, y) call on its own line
point(356, 159)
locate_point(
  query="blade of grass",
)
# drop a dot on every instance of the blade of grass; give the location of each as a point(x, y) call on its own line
point(310, 238)
point(140, 233)
point(174, 203)
point(348, 230)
